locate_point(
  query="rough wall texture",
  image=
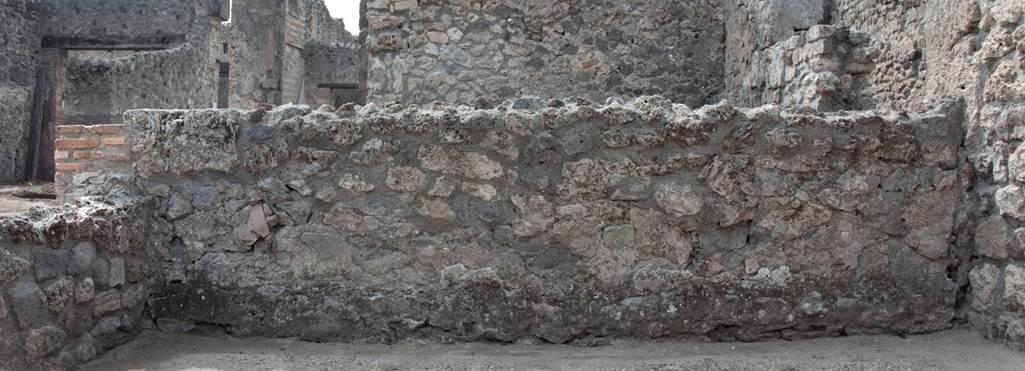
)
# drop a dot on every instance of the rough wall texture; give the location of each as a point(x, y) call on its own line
point(19, 61)
point(421, 51)
point(825, 68)
point(329, 64)
point(100, 89)
point(73, 282)
point(972, 50)
point(253, 40)
point(265, 45)
point(125, 20)
point(566, 222)
point(997, 300)
point(756, 32)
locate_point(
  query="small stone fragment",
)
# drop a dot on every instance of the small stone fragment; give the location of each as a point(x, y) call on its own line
point(991, 238)
point(436, 209)
point(355, 183)
point(406, 179)
point(984, 279)
point(443, 187)
point(106, 302)
point(43, 341)
point(85, 291)
point(678, 199)
point(1014, 287)
point(485, 192)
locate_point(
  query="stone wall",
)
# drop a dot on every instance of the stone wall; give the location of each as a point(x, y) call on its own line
point(329, 64)
point(122, 20)
point(19, 63)
point(757, 31)
point(561, 222)
point(825, 68)
point(426, 50)
point(100, 89)
point(265, 46)
point(73, 282)
point(972, 50)
point(997, 301)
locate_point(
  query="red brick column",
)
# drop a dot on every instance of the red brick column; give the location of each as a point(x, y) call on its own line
point(85, 150)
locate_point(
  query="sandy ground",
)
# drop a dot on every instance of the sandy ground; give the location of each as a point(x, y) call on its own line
point(22, 197)
point(951, 350)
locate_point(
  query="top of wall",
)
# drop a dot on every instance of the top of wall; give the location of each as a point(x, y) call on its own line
point(118, 21)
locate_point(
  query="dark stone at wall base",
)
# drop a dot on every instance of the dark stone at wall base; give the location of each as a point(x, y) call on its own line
point(558, 312)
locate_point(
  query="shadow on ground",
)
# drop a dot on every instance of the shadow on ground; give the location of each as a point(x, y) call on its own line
point(951, 350)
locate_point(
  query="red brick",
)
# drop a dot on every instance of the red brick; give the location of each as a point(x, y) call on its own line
point(76, 143)
point(106, 129)
point(70, 129)
point(72, 167)
point(87, 155)
point(113, 141)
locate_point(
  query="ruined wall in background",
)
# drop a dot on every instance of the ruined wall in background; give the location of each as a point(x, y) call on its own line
point(126, 20)
point(326, 64)
point(99, 89)
point(265, 46)
point(251, 43)
point(568, 222)
point(19, 63)
point(73, 282)
point(825, 68)
point(756, 32)
point(422, 51)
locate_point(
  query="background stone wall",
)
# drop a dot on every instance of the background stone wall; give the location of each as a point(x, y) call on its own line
point(100, 87)
point(826, 68)
point(73, 282)
point(332, 64)
point(458, 51)
point(124, 20)
point(569, 222)
point(19, 39)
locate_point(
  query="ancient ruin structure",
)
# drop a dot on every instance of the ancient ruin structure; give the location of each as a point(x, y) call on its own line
point(561, 170)
point(86, 62)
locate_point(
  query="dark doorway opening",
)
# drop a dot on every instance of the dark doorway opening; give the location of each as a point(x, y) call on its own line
point(223, 83)
point(343, 93)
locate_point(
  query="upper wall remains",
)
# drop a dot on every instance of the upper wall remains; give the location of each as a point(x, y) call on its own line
point(458, 51)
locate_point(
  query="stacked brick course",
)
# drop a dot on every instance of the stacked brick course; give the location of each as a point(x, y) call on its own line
point(85, 150)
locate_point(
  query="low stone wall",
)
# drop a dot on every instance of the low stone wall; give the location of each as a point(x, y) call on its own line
point(559, 221)
point(73, 282)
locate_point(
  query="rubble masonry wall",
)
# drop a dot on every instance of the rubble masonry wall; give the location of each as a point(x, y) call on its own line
point(562, 222)
point(459, 51)
point(20, 59)
point(73, 282)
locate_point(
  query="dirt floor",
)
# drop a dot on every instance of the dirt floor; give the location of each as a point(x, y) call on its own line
point(951, 350)
point(16, 198)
